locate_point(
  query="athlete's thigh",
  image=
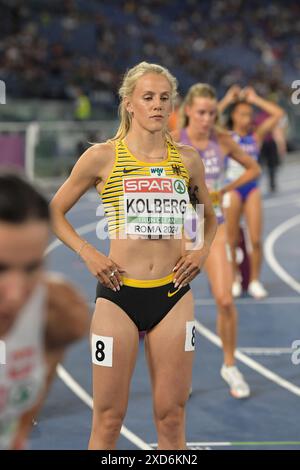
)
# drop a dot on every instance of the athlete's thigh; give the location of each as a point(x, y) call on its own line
point(253, 214)
point(170, 351)
point(218, 266)
point(233, 207)
point(114, 345)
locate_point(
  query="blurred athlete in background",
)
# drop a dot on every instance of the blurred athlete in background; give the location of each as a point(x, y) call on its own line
point(199, 115)
point(246, 200)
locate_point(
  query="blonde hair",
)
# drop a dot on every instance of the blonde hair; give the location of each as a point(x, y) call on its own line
point(127, 87)
point(199, 90)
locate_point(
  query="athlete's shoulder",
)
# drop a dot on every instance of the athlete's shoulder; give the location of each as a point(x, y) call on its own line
point(186, 151)
point(225, 140)
point(101, 150)
point(94, 161)
point(190, 159)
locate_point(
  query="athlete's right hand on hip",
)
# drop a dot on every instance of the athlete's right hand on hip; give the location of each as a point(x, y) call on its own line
point(103, 268)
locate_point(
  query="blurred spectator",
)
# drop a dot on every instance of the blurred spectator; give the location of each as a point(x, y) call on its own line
point(47, 48)
point(82, 110)
point(174, 116)
point(273, 149)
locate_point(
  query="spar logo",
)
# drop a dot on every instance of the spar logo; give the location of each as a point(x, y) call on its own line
point(148, 185)
point(179, 186)
point(159, 171)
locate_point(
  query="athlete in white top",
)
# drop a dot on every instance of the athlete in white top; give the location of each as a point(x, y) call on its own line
point(39, 314)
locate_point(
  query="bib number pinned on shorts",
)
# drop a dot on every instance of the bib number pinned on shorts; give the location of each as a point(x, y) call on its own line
point(102, 350)
point(190, 336)
point(215, 198)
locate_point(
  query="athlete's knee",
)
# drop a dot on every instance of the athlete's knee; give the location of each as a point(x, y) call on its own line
point(108, 423)
point(169, 420)
point(224, 301)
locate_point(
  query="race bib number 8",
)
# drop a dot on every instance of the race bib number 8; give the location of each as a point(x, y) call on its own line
point(190, 336)
point(102, 350)
point(215, 198)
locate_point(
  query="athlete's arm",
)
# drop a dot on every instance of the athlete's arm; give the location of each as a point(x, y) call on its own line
point(275, 112)
point(89, 169)
point(234, 151)
point(279, 136)
point(85, 173)
point(190, 264)
point(229, 98)
point(24, 427)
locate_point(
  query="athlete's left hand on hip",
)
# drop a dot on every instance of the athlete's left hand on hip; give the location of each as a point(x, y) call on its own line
point(188, 266)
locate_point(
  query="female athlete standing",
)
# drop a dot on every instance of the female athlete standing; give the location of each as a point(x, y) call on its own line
point(143, 179)
point(246, 200)
point(199, 114)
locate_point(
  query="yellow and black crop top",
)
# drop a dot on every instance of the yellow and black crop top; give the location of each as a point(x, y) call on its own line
point(142, 198)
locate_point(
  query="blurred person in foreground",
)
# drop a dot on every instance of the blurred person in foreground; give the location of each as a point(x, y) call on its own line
point(40, 314)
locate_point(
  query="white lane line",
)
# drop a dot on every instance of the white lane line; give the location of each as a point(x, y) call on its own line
point(267, 373)
point(266, 351)
point(207, 445)
point(277, 202)
point(74, 386)
point(269, 252)
point(81, 230)
point(199, 444)
point(291, 184)
point(249, 301)
point(70, 382)
point(82, 394)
